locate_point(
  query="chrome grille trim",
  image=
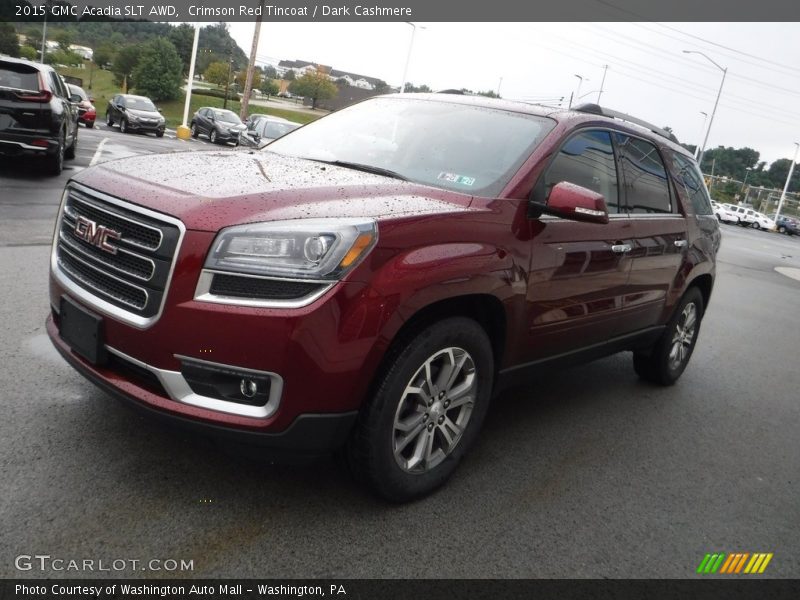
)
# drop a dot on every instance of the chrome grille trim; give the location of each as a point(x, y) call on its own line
point(94, 300)
point(76, 247)
point(102, 273)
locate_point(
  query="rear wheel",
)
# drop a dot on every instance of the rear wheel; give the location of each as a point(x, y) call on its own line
point(426, 412)
point(781, 229)
point(70, 152)
point(55, 162)
point(756, 225)
point(666, 360)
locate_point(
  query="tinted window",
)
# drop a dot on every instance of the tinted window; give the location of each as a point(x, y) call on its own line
point(646, 185)
point(689, 175)
point(472, 149)
point(18, 76)
point(226, 116)
point(587, 159)
point(276, 129)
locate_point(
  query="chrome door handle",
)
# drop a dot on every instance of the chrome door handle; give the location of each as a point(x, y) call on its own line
point(680, 243)
point(621, 248)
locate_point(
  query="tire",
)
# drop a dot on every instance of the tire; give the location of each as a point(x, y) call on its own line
point(70, 152)
point(89, 124)
point(443, 424)
point(213, 136)
point(781, 229)
point(55, 162)
point(123, 126)
point(109, 120)
point(194, 130)
point(666, 360)
point(756, 225)
point(159, 133)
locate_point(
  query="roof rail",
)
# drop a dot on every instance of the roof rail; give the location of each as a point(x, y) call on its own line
point(596, 109)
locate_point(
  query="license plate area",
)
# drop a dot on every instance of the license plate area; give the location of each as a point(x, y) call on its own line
point(82, 330)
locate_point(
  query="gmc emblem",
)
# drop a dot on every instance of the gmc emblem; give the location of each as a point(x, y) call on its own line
point(96, 235)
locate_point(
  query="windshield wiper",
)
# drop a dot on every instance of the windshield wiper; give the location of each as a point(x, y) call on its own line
point(361, 167)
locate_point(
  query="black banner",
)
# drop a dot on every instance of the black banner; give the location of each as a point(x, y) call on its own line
point(252, 589)
point(398, 10)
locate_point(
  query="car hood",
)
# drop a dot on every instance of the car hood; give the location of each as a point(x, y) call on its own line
point(211, 190)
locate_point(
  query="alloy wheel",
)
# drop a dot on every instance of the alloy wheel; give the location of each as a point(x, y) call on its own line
point(683, 337)
point(434, 410)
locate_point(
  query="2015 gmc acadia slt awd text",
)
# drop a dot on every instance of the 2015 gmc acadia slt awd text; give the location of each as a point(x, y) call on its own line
point(366, 283)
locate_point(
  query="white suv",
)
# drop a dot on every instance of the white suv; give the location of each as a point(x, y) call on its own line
point(746, 216)
point(725, 213)
point(763, 222)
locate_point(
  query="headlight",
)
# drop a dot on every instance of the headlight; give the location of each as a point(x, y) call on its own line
point(132, 117)
point(304, 248)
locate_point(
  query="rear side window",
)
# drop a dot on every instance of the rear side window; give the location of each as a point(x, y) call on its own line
point(587, 159)
point(689, 175)
point(18, 77)
point(646, 184)
point(57, 85)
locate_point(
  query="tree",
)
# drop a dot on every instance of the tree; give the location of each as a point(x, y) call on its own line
point(217, 73)
point(381, 87)
point(314, 85)
point(242, 75)
point(28, 52)
point(270, 72)
point(342, 82)
point(269, 87)
point(488, 94)
point(64, 39)
point(290, 75)
point(182, 37)
point(158, 74)
point(8, 39)
point(124, 63)
point(412, 89)
point(104, 55)
point(59, 57)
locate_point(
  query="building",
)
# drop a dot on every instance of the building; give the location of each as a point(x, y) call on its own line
point(301, 67)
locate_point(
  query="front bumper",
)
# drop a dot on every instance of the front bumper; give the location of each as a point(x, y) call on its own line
point(308, 435)
point(151, 127)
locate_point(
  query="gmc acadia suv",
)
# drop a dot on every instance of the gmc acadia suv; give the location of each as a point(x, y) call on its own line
point(367, 282)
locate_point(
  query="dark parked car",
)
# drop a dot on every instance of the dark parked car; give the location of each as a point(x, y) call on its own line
point(135, 113)
point(368, 282)
point(787, 225)
point(262, 129)
point(87, 114)
point(36, 115)
point(221, 126)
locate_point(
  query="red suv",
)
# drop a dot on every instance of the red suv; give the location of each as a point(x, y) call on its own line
point(367, 282)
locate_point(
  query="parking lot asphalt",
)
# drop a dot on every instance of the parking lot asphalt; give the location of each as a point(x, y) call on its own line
point(587, 472)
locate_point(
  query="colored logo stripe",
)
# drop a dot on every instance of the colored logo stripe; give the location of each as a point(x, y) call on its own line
point(734, 562)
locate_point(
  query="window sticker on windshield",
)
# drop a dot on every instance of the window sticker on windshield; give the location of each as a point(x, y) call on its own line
point(455, 178)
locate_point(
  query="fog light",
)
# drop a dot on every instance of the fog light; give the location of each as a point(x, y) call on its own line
point(248, 387)
point(226, 383)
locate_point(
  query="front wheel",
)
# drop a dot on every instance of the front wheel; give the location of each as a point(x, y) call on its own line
point(756, 225)
point(666, 360)
point(213, 136)
point(123, 126)
point(426, 410)
point(109, 120)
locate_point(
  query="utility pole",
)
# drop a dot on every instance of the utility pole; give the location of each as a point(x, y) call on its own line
point(44, 31)
point(602, 83)
point(788, 179)
point(228, 80)
point(182, 131)
point(248, 83)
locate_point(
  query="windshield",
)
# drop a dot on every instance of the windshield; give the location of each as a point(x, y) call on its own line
point(139, 104)
point(226, 116)
point(276, 129)
point(470, 149)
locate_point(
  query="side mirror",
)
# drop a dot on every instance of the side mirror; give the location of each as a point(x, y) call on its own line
point(91, 99)
point(159, 110)
point(573, 202)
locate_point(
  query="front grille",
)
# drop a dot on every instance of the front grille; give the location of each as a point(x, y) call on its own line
point(133, 274)
point(263, 289)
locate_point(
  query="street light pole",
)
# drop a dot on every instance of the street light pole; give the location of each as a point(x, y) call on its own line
point(702, 129)
point(602, 83)
point(788, 179)
point(408, 58)
point(716, 102)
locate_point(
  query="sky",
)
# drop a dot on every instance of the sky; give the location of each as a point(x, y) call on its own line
point(648, 75)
